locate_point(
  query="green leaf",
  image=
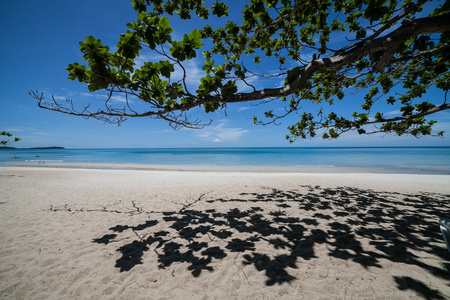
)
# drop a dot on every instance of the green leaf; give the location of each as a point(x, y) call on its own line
point(292, 75)
point(164, 23)
point(269, 114)
point(195, 36)
point(220, 9)
point(229, 88)
point(150, 36)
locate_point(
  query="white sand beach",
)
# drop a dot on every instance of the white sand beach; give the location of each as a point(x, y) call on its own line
point(79, 233)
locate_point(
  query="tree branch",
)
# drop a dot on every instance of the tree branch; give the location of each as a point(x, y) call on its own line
point(387, 44)
point(414, 116)
point(416, 27)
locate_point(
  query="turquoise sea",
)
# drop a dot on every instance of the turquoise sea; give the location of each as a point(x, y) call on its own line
point(428, 160)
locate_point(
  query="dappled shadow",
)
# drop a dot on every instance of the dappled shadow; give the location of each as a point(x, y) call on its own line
point(361, 226)
point(408, 283)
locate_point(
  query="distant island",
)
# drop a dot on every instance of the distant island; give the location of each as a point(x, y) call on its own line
point(33, 148)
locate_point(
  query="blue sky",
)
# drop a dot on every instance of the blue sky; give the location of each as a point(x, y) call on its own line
point(39, 40)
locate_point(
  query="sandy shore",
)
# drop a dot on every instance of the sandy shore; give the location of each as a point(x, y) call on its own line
point(69, 233)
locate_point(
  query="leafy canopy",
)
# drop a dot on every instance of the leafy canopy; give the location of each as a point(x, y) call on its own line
point(390, 53)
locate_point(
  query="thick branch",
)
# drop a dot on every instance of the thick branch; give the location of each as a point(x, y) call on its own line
point(409, 29)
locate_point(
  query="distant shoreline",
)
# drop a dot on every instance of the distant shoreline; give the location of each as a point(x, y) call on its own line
point(33, 148)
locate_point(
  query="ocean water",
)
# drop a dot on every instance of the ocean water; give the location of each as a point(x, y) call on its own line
point(427, 160)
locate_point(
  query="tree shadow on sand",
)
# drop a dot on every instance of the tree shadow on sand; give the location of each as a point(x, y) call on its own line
point(356, 225)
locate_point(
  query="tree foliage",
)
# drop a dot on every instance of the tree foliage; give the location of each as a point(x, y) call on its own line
point(7, 138)
point(389, 52)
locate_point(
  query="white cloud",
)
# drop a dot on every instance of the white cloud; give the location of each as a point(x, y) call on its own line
point(243, 108)
point(194, 73)
point(221, 133)
point(120, 99)
point(88, 95)
point(59, 98)
point(244, 87)
point(42, 133)
point(13, 129)
point(392, 113)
